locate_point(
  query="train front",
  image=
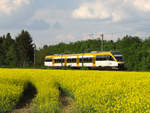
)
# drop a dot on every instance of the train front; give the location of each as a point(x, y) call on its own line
point(120, 60)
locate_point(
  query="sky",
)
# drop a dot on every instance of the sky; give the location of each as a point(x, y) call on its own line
point(54, 21)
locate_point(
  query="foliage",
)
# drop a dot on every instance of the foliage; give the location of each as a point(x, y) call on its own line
point(92, 91)
point(11, 89)
point(97, 92)
point(18, 52)
point(25, 48)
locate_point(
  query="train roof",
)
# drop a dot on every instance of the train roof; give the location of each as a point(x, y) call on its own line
point(92, 52)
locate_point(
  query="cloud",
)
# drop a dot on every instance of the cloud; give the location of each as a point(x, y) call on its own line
point(118, 16)
point(58, 19)
point(8, 6)
point(100, 9)
point(113, 10)
point(91, 10)
point(143, 5)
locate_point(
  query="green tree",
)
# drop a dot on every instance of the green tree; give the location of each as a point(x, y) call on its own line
point(129, 47)
point(1, 51)
point(11, 56)
point(25, 48)
point(6, 44)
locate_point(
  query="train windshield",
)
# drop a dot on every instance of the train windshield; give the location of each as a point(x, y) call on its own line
point(117, 55)
point(119, 58)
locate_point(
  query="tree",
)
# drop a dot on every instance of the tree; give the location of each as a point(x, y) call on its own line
point(25, 48)
point(1, 52)
point(6, 44)
point(11, 56)
point(129, 47)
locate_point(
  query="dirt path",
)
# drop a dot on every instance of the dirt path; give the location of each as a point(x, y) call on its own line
point(26, 109)
point(24, 104)
point(68, 104)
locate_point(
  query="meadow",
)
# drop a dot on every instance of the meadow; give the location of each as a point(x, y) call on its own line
point(88, 91)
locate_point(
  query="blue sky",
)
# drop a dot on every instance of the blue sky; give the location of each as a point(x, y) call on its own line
point(54, 21)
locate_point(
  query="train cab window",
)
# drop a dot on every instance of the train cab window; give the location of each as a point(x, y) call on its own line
point(119, 58)
point(110, 58)
point(48, 60)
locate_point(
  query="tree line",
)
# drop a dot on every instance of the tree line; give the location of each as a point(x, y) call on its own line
point(19, 51)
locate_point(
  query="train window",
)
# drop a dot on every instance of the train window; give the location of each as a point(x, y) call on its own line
point(62, 60)
point(90, 59)
point(48, 60)
point(74, 60)
point(56, 60)
point(86, 60)
point(80, 60)
point(59, 60)
point(69, 60)
point(101, 57)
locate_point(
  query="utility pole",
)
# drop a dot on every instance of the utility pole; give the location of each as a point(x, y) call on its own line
point(101, 37)
point(102, 42)
point(34, 46)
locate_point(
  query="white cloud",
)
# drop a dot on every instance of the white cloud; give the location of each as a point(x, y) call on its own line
point(91, 10)
point(114, 10)
point(143, 5)
point(20, 2)
point(118, 16)
point(8, 6)
point(100, 9)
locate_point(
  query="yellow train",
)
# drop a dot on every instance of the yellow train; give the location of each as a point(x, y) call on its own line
point(96, 59)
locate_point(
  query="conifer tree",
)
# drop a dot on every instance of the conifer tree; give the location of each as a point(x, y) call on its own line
point(25, 48)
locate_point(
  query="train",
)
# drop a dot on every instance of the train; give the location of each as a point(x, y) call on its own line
point(93, 60)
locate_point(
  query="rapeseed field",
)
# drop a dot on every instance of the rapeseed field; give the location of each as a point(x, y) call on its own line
point(91, 91)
